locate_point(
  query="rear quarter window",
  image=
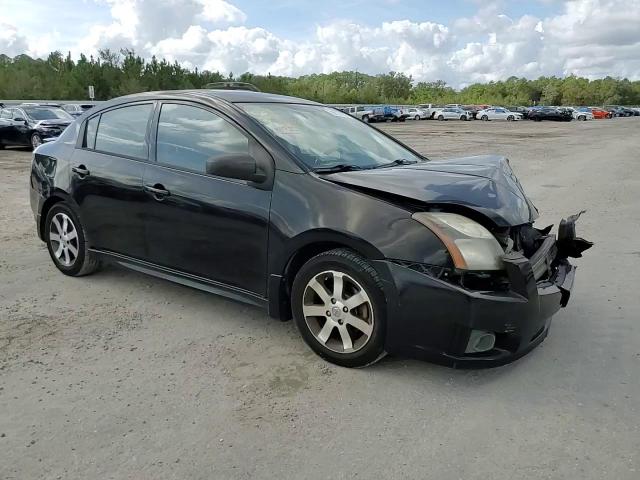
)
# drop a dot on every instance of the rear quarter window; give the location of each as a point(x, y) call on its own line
point(90, 132)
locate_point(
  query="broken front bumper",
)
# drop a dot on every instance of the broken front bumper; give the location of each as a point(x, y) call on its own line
point(437, 320)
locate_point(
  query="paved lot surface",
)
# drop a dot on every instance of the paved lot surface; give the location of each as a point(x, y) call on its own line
point(119, 375)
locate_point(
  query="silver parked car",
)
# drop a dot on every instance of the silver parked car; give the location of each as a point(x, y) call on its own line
point(498, 113)
point(453, 113)
point(417, 113)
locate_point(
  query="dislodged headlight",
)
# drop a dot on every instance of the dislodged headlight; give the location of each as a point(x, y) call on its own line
point(471, 246)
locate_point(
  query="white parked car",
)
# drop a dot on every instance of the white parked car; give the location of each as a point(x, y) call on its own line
point(430, 109)
point(365, 114)
point(452, 113)
point(416, 113)
point(581, 113)
point(498, 113)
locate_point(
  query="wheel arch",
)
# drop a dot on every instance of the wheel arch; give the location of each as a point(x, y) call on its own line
point(55, 197)
point(300, 250)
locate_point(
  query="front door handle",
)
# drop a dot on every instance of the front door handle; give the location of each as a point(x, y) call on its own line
point(157, 191)
point(81, 170)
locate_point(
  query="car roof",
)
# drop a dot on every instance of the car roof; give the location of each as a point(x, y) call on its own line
point(231, 96)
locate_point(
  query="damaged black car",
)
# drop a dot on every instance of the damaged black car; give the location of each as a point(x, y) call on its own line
point(313, 215)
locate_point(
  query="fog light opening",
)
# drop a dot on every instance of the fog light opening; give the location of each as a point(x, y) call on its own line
point(480, 341)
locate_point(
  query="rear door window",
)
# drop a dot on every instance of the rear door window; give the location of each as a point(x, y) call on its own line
point(123, 131)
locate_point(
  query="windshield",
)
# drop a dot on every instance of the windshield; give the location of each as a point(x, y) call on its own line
point(39, 113)
point(323, 137)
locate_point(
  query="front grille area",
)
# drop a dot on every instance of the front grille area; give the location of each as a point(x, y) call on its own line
point(477, 281)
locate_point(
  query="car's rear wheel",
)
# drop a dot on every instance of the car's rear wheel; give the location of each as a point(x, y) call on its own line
point(484, 118)
point(36, 141)
point(441, 118)
point(582, 118)
point(66, 242)
point(340, 309)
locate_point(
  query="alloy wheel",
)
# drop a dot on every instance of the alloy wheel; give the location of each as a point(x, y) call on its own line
point(63, 238)
point(338, 311)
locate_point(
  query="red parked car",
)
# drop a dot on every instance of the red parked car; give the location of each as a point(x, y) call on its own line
point(599, 113)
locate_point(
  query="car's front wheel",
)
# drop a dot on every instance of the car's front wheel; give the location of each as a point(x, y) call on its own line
point(340, 309)
point(417, 117)
point(484, 118)
point(441, 118)
point(66, 242)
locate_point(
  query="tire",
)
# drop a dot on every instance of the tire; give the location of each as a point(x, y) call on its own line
point(463, 118)
point(1, 146)
point(82, 262)
point(334, 336)
point(441, 118)
point(484, 118)
point(510, 118)
point(417, 117)
point(365, 118)
point(582, 118)
point(36, 141)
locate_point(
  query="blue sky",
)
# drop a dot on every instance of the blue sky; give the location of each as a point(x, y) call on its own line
point(460, 41)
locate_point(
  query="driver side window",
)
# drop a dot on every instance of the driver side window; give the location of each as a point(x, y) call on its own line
point(188, 136)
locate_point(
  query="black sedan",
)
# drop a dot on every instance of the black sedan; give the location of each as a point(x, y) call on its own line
point(31, 125)
point(550, 113)
point(306, 211)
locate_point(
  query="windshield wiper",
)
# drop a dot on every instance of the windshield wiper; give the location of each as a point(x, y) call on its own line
point(342, 167)
point(399, 161)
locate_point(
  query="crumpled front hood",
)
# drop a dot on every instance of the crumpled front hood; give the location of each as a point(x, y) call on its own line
point(483, 183)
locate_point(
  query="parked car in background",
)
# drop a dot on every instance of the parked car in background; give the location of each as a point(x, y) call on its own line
point(31, 124)
point(472, 110)
point(366, 114)
point(76, 109)
point(550, 113)
point(498, 113)
point(524, 111)
point(416, 113)
point(620, 111)
point(581, 113)
point(599, 113)
point(243, 194)
point(430, 108)
point(452, 113)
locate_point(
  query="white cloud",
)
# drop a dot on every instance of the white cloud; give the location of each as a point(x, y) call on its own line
point(592, 38)
point(11, 42)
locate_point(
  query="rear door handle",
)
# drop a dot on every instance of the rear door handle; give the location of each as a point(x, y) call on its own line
point(157, 191)
point(81, 170)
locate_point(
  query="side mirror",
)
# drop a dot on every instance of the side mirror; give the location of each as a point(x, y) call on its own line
point(239, 166)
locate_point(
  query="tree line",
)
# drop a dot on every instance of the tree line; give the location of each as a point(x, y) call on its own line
point(119, 73)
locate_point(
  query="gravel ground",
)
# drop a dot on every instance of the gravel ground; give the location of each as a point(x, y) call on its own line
point(119, 375)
